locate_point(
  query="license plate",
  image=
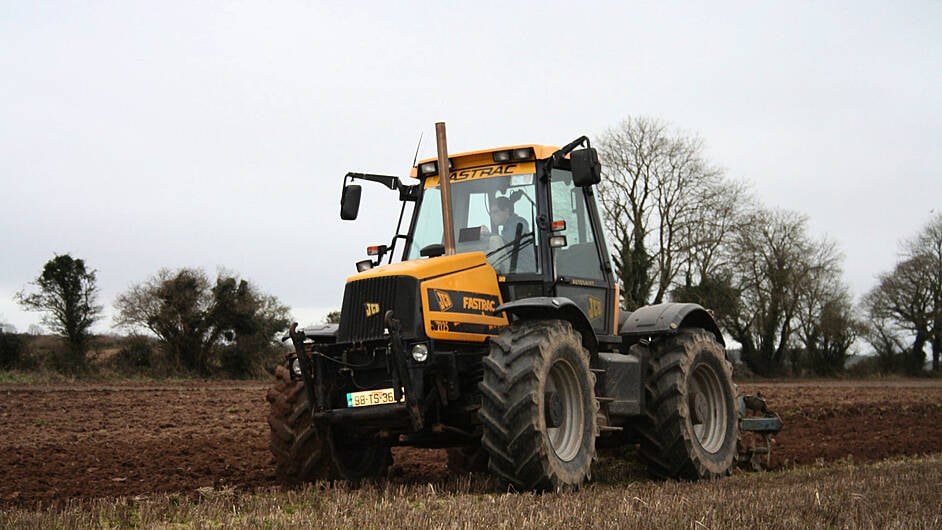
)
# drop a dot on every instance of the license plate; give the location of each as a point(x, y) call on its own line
point(367, 398)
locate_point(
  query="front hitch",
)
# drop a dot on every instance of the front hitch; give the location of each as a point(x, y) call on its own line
point(402, 371)
point(313, 384)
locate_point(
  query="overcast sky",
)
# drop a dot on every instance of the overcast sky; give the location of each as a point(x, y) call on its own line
point(141, 135)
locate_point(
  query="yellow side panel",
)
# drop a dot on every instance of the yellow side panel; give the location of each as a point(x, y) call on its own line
point(617, 309)
point(460, 306)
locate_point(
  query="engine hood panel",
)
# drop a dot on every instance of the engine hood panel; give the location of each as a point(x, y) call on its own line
point(422, 269)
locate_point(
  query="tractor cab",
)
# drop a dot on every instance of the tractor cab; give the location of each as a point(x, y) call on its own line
point(522, 207)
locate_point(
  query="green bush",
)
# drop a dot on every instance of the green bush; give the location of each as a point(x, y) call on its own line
point(137, 353)
point(12, 347)
point(241, 362)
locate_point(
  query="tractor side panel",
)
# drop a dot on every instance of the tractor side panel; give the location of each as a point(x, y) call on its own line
point(460, 306)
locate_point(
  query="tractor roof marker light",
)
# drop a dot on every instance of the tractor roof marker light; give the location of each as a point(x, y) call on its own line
point(428, 168)
point(431, 168)
point(524, 153)
point(509, 155)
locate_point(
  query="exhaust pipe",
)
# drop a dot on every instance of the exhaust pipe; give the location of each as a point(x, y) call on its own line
point(444, 174)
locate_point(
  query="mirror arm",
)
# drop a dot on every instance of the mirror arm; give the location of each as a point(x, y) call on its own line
point(392, 183)
point(570, 147)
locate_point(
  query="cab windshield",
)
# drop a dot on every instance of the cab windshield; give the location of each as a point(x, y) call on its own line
point(494, 215)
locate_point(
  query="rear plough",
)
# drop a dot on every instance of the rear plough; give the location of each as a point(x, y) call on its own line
point(758, 426)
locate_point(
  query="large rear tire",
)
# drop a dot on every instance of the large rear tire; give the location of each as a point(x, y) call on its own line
point(691, 428)
point(299, 447)
point(538, 407)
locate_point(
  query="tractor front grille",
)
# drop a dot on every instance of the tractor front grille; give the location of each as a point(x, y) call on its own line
point(365, 303)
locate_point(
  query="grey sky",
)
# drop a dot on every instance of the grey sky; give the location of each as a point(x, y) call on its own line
point(141, 135)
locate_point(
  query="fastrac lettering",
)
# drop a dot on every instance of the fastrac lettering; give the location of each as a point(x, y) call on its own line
point(481, 172)
point(478, 304)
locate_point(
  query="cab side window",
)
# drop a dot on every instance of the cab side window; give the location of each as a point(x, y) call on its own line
point(580, 257)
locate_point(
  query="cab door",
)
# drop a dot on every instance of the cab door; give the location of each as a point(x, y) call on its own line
point(579, 272)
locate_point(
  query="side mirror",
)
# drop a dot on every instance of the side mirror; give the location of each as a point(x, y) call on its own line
point(350, 202)
point(432, 251)
point(586, 169)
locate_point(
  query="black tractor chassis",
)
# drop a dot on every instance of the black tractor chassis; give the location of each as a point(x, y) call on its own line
point(434, 405)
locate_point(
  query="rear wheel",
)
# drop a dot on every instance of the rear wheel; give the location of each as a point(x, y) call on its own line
point(298, 445)
point(538, 407)
point(691, 429)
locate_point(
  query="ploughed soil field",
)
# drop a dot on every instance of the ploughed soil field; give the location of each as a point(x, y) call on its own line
point(96, 440)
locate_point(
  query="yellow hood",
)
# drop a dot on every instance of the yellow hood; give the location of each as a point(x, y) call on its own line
point(425, 268)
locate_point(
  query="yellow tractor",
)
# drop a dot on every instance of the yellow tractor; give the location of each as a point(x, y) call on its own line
point(498, 335)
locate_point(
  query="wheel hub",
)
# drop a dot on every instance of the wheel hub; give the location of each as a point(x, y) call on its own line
point(699, 408)
point(553, 409)
point(709, 408)
point(563, 410)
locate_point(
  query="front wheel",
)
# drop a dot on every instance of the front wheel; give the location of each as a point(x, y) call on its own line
point(354, 459)
point(297, 444)
point(538, 407)
point(467, 459)
point(691, 428)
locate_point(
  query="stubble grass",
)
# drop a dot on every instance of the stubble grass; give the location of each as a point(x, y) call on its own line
point(898, 493)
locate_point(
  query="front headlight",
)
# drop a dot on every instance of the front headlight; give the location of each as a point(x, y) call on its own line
point(420, 353)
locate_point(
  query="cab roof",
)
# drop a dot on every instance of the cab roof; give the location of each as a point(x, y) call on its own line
point(482, 157)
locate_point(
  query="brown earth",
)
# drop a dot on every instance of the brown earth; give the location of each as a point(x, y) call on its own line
point(94, 440)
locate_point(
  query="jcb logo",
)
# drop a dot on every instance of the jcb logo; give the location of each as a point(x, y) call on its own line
point(444, 300)
point(595, 308)
point(371, 309)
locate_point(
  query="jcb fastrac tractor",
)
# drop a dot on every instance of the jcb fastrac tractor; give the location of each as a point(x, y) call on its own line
point(498, 336)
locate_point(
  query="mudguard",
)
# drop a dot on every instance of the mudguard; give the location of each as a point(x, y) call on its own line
point(665, 319)
point(558, 307)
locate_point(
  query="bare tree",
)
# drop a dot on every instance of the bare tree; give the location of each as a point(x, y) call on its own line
point(656, 184)
point(775, 266)
point(626, 191)
point(714, 215)
point(904, 296)
point(910, 296)
point(827, 326)
point(679, 227)
point(927, 247)
point(885, 338)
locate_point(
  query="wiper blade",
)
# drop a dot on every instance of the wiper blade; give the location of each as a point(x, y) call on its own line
point(525, 238)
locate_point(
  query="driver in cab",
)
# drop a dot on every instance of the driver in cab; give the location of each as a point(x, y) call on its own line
point(507, 224)
point(505, 220)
